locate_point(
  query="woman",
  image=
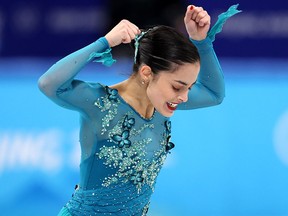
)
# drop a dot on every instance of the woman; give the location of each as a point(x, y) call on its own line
point(125, 128)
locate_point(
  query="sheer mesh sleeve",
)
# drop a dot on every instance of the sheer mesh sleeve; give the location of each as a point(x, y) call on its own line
point(58, 82)
point(209, 89)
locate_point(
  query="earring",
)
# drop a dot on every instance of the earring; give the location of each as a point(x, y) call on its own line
point(143, 82)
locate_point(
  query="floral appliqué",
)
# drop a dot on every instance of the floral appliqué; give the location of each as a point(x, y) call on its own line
point(110, 103)
point(169, 145)
point(123, 139)
point(128, 155)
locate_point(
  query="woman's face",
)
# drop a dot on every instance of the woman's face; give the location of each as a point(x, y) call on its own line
point(167, 90)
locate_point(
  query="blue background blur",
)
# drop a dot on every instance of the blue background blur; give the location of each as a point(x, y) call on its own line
point(229, 160)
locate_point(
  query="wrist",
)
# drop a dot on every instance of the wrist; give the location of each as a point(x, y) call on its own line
point(109, 41)
point(104, 41)
point(198, 37)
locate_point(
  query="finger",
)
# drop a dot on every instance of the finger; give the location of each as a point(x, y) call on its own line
point(196, 11)
point(201, 15)
point(129, 36)
point(126, 38)
point(204, 21)
point(132, 30)
point(135, 29)
point(129, 31)
point(188, 14)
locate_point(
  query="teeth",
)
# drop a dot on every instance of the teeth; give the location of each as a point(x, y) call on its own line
point(172, 104)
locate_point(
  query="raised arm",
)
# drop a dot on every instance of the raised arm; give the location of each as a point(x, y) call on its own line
point(209, 90)
point(58, 82)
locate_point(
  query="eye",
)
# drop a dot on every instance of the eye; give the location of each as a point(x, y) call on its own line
point(176, 89)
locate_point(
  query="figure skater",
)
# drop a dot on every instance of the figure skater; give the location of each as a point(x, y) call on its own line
point(125, 129)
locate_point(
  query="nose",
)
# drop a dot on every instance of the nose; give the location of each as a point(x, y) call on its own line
point(183, 97)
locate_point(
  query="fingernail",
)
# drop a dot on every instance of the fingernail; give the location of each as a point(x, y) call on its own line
point(191, 7)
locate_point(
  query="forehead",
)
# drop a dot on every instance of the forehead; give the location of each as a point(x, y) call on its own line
point(187, 73)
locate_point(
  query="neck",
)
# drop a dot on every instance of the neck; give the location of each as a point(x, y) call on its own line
point(134, 93)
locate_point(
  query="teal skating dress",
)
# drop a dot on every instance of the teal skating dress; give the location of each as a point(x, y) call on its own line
point(121, 152)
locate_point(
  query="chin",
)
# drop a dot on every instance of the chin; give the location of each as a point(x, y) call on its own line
point(165, 113)
point(164, 110)
point(168, 116)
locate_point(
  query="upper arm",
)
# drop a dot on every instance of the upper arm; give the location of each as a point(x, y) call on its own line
point(200, 96)
point(70, 96)
point(209, 90)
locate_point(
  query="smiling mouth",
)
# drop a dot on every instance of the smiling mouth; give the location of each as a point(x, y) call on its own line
point(172, 106)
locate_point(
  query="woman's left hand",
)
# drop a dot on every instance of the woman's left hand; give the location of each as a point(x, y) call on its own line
point(197, 22)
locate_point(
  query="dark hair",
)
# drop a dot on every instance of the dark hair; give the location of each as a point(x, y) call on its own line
point(163, 48)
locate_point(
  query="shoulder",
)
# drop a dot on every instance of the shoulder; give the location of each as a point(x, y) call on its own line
point(89, 85)
point(90, 88)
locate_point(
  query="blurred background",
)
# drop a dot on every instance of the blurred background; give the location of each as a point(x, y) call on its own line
point(229, 160)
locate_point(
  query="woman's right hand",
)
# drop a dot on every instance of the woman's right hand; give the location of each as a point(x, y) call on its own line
point(123, 32)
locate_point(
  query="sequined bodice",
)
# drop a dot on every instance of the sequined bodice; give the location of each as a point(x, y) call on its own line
point(125, 148)
point(122, 152)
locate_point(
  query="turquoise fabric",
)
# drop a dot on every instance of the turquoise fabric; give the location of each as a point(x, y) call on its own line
point(64, 212)
point(222, 18)
point(122, 153)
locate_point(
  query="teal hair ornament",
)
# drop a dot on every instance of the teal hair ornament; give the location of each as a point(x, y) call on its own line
point(136, 44)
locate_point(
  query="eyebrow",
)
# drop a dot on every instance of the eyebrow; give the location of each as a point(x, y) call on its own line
point(184, 83)
point(181, 82)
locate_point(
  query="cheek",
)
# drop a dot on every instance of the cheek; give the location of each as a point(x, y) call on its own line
point(157, 95)
point(153, 94)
